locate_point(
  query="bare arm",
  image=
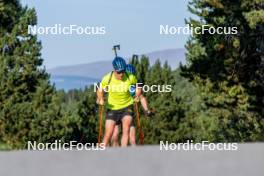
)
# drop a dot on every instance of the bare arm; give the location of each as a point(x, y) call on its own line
point(100, 96)
point(138, 91)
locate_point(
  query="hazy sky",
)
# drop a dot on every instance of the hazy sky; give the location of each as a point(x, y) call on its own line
point(132, 23)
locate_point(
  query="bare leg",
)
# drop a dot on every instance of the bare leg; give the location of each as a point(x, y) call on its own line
point(109, 129)
point(126, 122)
point(115, 142)
point(132, 138)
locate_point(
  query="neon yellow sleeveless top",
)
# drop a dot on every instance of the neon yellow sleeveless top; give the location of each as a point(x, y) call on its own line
point(118, 90)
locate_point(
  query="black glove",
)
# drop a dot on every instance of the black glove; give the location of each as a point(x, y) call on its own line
point(148, 113)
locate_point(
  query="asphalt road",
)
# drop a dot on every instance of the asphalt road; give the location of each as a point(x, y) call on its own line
point(248, 160)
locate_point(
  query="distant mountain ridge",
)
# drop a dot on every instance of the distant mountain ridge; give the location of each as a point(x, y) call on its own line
point(173, 56)
point(98, 69)
point(81, 75)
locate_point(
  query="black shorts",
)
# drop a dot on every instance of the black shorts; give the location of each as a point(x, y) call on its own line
point(117, 115)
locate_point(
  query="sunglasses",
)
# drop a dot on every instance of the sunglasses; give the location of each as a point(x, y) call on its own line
point(120, 72)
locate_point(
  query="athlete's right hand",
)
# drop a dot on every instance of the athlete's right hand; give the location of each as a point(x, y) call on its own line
point(100, 101)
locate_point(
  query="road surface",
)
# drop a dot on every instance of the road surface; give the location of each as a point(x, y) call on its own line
point(248, 160)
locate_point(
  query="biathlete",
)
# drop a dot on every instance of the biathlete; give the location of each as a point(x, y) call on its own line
point(119, 101)
point(133, 90)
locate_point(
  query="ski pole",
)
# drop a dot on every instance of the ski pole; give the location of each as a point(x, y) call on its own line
point(141, 133)
point(101, 111)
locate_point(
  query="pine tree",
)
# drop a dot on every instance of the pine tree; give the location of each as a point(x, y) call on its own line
point(228, 69)
point(87, 111)
point(29, 108)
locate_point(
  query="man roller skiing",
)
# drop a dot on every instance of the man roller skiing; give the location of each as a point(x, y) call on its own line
point(132, 136)
point(119, 101)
